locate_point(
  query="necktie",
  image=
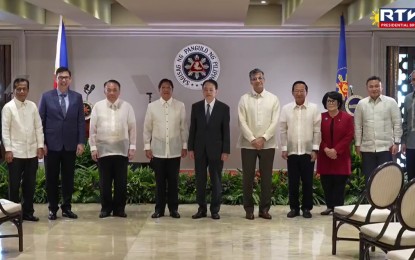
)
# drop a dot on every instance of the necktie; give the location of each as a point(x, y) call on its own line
point(208, 113)
point(63, 104)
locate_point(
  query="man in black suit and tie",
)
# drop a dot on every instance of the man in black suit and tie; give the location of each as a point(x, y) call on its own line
point(209, 146)
point(63, 120)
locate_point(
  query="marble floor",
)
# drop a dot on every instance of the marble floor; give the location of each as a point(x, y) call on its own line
point(141, 237)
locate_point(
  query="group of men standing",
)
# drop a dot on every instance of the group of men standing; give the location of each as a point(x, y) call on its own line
point(299, 121)
point(166, 140)
point(57, 132)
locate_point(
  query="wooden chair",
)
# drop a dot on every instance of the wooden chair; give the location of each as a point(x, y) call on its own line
point(403, 254)
point(392, 235)
point(10, 211)
point(381, 191)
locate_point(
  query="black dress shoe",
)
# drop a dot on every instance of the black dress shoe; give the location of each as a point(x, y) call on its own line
point(265, 215)
point(104, 214)
point(120, 214)
point(52, 215)
point(326, 212)
point(249, 216)
point(199, 214)
point(293, 213)
point(30, 218)
point(215, 216)
point(307, 213)
point(174, 214)
point(69, 214)
point(157, 215)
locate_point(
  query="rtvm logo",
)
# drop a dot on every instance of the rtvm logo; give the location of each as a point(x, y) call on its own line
point(397, 18)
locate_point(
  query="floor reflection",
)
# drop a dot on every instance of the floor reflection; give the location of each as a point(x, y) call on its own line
point(141, 237)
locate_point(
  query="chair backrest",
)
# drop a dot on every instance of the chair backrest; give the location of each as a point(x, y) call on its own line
point(384, 185)
point(405, 206)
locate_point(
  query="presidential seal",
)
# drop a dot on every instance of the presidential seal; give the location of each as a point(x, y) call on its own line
point(87, 109)
point(351, 104)
point(194, 64)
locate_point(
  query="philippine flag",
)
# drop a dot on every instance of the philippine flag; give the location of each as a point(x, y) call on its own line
point(61, 59)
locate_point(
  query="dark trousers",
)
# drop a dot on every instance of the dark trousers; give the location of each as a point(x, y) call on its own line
point(266, 159)
point(60, 163)
point(113, 169)
point(24, 171)
point(300, 167)
point(370, 161)
point(334, 186)
point(410, 163)
point(167, 175)
point(202, 162)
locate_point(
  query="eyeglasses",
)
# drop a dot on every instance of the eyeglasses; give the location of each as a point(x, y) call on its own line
point(331, 101)
point(63, 78)
point(255, 79)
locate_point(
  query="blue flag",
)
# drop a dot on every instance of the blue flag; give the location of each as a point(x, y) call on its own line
point(342, 86)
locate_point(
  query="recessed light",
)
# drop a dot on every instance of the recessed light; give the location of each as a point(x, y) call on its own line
point(263, 2)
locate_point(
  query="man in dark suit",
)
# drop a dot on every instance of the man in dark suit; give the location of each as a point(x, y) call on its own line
point(62, 114)
point(209, 146)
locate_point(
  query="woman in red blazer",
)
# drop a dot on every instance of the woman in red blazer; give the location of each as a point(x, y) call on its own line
point(334, 161)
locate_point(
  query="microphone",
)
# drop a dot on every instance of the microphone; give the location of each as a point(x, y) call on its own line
point(86, 87)
point(92, 87)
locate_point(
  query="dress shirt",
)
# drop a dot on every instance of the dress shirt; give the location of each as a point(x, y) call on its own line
point(165, 129)
point(211, 104)
point(408, 125)
point(258, 117)
point(300, 128)
point(66, 98)
point(22, 129)
point(378, 124)
point(112, 128)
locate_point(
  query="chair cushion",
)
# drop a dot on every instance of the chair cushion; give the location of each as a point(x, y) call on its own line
point(378, 215)
point(389, 237)
point(10, 207)
point(402, 254)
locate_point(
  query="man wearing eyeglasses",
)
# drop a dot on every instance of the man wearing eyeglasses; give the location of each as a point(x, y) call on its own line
point(258, 113)
point(62, 114)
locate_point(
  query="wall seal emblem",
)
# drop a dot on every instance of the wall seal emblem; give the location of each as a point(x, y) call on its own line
point(351, 104)
point(194, 64)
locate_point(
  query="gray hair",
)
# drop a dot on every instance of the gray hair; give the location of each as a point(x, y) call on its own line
point(255, 71)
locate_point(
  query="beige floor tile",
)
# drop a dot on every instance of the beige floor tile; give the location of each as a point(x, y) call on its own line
point(141, 237)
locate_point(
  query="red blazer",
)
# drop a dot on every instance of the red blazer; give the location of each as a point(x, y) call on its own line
point(343, 132)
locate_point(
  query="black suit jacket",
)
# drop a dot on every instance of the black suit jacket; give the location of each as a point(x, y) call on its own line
point(212, 137)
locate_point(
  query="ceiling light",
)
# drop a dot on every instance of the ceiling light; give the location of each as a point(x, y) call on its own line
point(263, 2)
